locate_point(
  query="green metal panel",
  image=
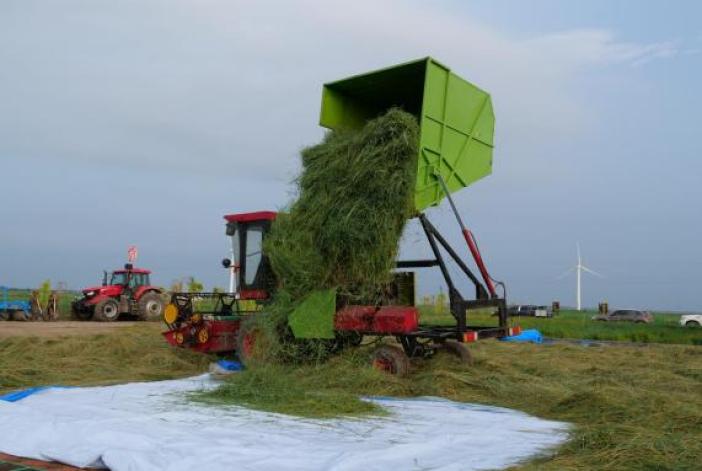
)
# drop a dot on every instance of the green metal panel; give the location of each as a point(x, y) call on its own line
point(314, 317)
point(456, 120)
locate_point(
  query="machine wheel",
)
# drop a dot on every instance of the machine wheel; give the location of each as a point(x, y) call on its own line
point(106, 310)
point(391, 359)
point(692, 324)
point(459, 350)
point(80, 315)
point(150, 306)
point(4, 315)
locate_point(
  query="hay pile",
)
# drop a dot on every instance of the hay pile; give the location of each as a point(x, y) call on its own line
point(355, 194)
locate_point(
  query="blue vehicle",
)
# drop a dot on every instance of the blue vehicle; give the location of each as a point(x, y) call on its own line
point(14, 310)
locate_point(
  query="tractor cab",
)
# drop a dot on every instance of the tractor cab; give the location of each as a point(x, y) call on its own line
point(129, 277)
point(253, 273)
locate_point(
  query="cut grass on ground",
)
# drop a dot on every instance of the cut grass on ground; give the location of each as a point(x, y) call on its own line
point(633, 407)
point(129, 354)
point(579, 325)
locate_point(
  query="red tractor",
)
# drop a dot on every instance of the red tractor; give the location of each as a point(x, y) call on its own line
point(127, 291)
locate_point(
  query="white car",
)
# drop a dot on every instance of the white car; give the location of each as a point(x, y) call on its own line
point(691, 320)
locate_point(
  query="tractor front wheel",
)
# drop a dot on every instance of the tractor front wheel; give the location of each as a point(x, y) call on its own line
point(391, 359)
point(106, 310)
point(150, 306)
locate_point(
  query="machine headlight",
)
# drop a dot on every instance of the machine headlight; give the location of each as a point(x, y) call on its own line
point(90, 293)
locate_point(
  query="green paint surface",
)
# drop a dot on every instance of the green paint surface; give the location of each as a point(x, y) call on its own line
point(456, 120)
point(313, 318)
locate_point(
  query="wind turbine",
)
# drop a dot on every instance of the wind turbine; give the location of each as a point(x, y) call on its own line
point(579, 268)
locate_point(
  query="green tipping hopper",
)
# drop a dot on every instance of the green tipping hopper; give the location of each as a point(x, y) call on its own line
point(456, 120)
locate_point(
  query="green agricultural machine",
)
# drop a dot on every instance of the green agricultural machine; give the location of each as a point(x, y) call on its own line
point(456, 122)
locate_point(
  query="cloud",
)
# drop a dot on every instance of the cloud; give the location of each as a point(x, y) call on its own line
point(169, 85)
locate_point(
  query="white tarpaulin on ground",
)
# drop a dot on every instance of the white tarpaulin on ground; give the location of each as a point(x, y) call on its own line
point(153, 426)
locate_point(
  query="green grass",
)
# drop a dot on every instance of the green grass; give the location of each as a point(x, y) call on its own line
point(632, 407)
point(579, 325)
point(129, 354)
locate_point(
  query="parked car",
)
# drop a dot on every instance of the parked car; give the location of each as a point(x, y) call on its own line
point(529, 310)
point(691, 320)
point(626, 315)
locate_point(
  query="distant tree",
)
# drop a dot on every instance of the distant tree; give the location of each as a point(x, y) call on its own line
point(44, 292)
point(177, 286)
point(440, 302)
point(195, 286)
point(218, 289)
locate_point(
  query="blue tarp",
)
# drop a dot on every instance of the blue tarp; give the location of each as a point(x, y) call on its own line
point(17, 395)
point(230, 365)
point(531, 335)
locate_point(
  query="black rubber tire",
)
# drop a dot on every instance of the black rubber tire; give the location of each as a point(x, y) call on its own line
point(459, 350)
point(4, 315)
point(692, 324)
point(106, 310)
point(391, 359)
point(150, 306)
point(81, 316)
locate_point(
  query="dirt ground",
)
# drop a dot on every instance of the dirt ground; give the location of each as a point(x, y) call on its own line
point(60, 328)
point(13, 463)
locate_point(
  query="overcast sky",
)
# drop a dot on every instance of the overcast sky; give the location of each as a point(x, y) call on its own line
point(144, 122)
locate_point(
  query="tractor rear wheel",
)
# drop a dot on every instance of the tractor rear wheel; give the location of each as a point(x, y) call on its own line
point(150, 306)
point(459, 350)
point(391, 359)
point(106, 310)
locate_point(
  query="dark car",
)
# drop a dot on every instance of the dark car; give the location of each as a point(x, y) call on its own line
point(626, 315)
point(529, 310)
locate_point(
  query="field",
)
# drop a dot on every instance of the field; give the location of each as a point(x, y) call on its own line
point(579, 325)
point(633, 406)
point(122, 352)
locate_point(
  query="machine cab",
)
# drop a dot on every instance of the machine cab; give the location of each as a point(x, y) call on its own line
point(130, 277)
point(253, 275)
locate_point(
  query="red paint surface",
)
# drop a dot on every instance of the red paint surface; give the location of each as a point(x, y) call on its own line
point(249, 217)
point(222, 336)
point(383, 320)
point(253, 294)
point(396, 320)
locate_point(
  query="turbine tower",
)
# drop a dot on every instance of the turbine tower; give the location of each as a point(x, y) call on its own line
point(579, 268)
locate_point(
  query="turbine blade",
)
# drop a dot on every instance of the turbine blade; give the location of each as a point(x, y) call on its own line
point(592, 272)
point(563, 275)
point(577, 247)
